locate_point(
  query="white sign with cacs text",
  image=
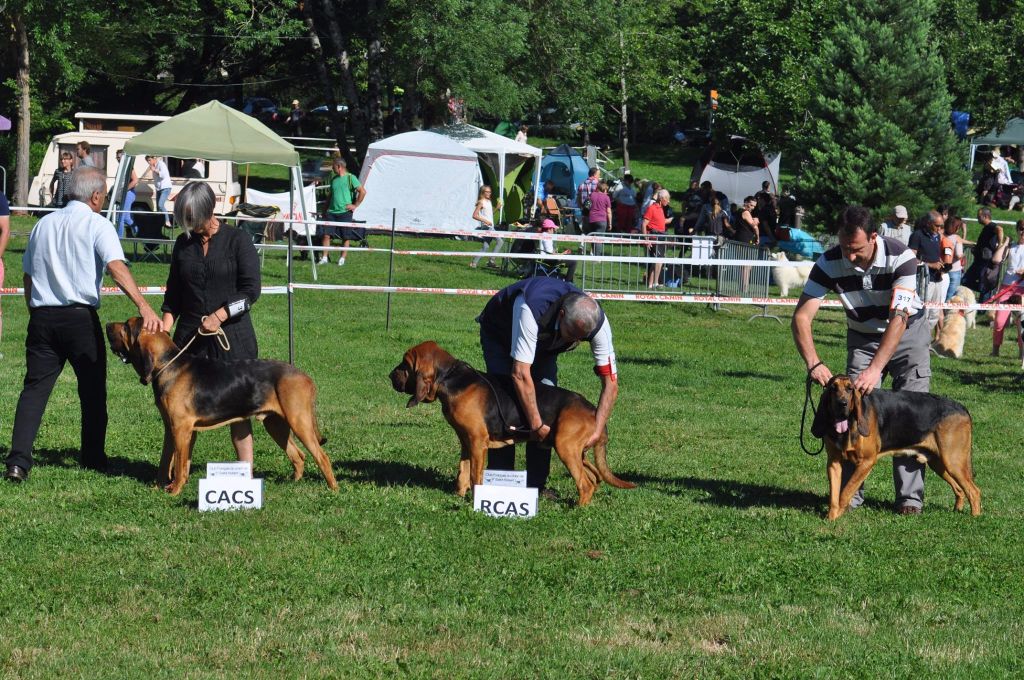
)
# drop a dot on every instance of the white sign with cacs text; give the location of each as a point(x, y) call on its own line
point(230, 486)
point(505, 501)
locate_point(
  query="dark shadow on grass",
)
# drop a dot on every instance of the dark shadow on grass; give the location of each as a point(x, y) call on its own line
point(117, 466)
point(389, 473)
point(733, 494)
point(1005, 381)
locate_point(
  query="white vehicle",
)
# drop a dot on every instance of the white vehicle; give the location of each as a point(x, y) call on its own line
point(107, 134)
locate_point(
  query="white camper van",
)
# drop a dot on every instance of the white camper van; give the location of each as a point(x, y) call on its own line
point(106, 134)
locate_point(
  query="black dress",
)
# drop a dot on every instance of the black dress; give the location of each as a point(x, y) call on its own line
point(200, 284)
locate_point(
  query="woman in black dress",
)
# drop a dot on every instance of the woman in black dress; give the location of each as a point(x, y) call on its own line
point(215, 273)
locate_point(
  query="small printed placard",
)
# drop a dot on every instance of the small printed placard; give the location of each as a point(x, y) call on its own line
point(505, 501)
point(505, 478)
point(230, 493)
point(235, 469)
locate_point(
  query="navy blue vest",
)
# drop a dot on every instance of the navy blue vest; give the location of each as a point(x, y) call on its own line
point(543, 295)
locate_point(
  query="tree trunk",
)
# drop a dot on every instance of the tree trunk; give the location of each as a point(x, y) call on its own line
point(320, 60)
point(375, 125)
point(625, 118)
point(22, 177)
point(356, 111)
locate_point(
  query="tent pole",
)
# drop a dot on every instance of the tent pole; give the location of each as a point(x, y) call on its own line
point(114, 201)
point(297, 178)
point(391, 271)
point(501, 189)
point(291, 306)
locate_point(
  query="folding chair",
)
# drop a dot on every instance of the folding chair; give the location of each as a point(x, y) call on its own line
point(148, 226)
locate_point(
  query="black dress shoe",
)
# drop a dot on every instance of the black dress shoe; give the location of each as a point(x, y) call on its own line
point(16, 473)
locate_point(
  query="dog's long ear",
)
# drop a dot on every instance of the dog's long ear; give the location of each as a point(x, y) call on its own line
point(860, 414)
point(424, 387)
point(143, 357)
point(823, 419)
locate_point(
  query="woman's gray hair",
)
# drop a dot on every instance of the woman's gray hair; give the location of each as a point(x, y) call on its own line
point(582, 314)
point(664, 194)
point(194, 205)
point(85, 181)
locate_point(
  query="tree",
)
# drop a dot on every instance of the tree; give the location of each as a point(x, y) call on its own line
point(879, 131)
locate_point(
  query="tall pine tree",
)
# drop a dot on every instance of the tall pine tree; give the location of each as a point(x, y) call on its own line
point(879, 132)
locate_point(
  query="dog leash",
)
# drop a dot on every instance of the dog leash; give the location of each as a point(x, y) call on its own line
point(803, 417)
point(221, 336)
point(497, 403)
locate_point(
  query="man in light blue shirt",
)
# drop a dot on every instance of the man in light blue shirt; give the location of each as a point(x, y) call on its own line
point(63, 263)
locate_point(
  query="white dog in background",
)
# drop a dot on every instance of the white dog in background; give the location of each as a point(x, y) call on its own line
point(789, 276)
point(966, 296)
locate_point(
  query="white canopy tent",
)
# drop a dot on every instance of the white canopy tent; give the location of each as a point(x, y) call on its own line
point(738, 170)
point(430, 182)
point(500, 153)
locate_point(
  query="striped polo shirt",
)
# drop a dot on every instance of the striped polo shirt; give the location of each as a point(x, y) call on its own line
point(867, 295)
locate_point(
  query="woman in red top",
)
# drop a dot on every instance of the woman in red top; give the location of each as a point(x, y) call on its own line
point(654, 224)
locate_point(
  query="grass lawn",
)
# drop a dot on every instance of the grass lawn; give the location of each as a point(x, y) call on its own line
point(719, 565)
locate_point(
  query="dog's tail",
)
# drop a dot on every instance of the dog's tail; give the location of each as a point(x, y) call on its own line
point(601, 458)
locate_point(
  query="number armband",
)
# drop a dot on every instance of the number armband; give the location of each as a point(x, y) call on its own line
point(237, 307)
point(902, 300)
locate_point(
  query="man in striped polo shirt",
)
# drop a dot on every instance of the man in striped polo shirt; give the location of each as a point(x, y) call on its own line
point(886, 330)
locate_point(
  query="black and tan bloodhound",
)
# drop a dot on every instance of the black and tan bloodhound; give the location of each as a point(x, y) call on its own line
point(861, 428)
point(194, 393)
point(485, 414)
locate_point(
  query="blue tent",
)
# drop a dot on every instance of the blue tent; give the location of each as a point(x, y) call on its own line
point(566, 168)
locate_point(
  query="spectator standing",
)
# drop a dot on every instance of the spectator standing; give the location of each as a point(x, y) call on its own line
point(787, 208)
point(295, 118)
point(1013, 276)
point(875, 278)
point(653, 226)
point(625, 204)
point(61, 180)
point(983, 274)
point(926, 244)
point(63, 269)
point(346, 195)
point(5, 235)
point(523, 329)
point(161, 177)
point(213, 282)
point(583, 192)
point(599, 216)
point(521, 135)
point(125, 218)
point(897, 226)
point(84, 155)
point(953, 227)
point(766, 211)
point(650, 197)
point(713, 220)
point(484, 214)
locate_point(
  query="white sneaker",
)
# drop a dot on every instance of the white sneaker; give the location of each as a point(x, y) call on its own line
point(341, 261)
point(323, 260)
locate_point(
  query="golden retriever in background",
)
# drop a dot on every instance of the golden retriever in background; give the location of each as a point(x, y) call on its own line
point(950, 342)
point(967, 297)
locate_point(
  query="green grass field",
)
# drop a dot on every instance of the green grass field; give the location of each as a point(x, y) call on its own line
point(719, 565)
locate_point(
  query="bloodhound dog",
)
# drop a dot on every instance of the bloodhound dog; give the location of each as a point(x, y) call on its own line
point(485, 414)
point(195, 393)
point(860, 429)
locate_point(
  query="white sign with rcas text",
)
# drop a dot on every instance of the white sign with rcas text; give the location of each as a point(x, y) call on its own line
point(505, 478)
point(230, 493)
point(505, 501)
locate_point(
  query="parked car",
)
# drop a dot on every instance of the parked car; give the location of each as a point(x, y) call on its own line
point(262, 109)
point(319, 119)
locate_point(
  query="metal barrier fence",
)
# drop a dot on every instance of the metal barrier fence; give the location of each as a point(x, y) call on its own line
point(627, 277)
point(742, 280)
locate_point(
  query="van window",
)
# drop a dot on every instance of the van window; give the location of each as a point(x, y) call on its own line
point(96, 152)
point(189, 168)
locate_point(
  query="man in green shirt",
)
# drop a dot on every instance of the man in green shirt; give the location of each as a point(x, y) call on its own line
point(346, 195)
